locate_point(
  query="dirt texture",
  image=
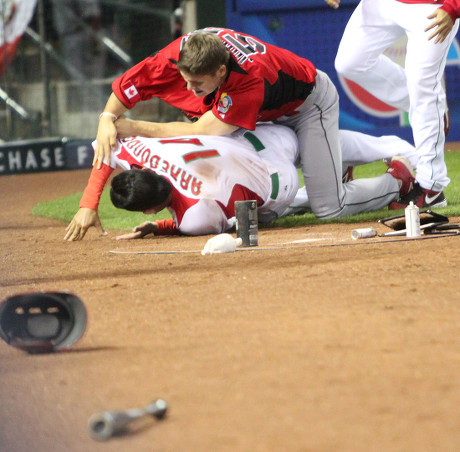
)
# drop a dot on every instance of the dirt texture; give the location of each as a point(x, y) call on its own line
point(318, 343)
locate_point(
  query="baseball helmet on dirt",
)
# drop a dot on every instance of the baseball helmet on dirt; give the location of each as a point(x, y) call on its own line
point(42, 322)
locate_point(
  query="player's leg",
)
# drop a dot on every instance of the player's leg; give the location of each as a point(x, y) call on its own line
point(299, 205)
point(425, 63)
point(320, 156)
point(359, 148)
point(316, 127)
point(360, 58)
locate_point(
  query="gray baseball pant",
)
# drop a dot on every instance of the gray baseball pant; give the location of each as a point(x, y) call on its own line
point(317, 128)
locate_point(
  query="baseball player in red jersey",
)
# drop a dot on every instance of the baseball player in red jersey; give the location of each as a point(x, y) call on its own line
point(238, 80)
point(204, 176)
point(430, 26)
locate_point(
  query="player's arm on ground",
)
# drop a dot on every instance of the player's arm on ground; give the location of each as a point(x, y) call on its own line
point(159, 227)
point(442, 25)
point(208, 124)
point(107, 131)
point(140, 231)
point(87, 216)
point(203, 218)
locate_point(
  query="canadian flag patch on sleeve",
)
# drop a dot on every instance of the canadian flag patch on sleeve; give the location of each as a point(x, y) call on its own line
point(130, 91)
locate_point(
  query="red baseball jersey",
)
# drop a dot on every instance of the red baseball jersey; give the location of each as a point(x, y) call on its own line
point(158, 76)
point(264, 82)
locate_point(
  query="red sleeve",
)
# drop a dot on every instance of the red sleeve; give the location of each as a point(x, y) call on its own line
point(153, 77)
point(95, 187)
point(452, 7)
point(167, 227)
point(240, 106)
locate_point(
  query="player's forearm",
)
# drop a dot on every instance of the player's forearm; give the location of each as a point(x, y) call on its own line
point(107, 131)
point(208, 124)
point(159, 130)
point(114, 106)
point(96, 183)
point(166, 227)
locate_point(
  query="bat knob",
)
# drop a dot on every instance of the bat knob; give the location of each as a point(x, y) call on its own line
point(101, 426)
point(158, 408)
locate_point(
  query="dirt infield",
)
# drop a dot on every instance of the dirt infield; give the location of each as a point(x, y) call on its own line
point(306, 347)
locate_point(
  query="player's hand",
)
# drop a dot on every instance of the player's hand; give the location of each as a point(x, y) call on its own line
point(106, 140)
point(148, 227)
point(333, 3)
point(443, 25)
point(81, 222)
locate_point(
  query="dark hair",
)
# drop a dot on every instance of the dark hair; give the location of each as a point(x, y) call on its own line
point(203, 54)
point(139, 190)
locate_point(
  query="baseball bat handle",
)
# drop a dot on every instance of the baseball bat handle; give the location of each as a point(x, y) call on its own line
point(106, 424)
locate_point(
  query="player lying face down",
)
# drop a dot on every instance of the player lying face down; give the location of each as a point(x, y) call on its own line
point(206, 175)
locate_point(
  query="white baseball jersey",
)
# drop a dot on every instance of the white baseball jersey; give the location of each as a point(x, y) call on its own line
point(209, 173)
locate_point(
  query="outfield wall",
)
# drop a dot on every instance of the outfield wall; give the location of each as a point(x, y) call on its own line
point(45, 154)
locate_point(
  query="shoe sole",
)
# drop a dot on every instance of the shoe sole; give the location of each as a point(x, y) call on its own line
point(442, 203)
point(395, 206)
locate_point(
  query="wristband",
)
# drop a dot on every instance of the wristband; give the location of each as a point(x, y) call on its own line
point(107, 113)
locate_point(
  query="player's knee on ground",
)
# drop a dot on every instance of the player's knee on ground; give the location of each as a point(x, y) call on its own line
point(329, 215)
point(324, 212)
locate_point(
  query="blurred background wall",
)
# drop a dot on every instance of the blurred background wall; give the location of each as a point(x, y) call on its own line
point(61, 68)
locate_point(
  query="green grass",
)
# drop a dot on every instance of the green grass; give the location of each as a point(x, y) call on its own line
point(112, 218)
point(65, 208)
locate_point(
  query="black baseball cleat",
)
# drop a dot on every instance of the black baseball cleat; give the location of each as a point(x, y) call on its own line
point(421, 197)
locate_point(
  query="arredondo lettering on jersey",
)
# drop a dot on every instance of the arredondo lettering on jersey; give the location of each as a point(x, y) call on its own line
point(137, 153)
point(241, 46)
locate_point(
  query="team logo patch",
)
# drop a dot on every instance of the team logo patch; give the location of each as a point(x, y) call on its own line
point(225, 102)
point(131, 92)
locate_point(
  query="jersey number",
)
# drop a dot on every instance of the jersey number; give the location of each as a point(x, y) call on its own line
point(247, 45)
point(194, 155)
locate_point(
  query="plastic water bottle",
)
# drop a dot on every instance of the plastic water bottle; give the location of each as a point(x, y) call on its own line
point(412, 215)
